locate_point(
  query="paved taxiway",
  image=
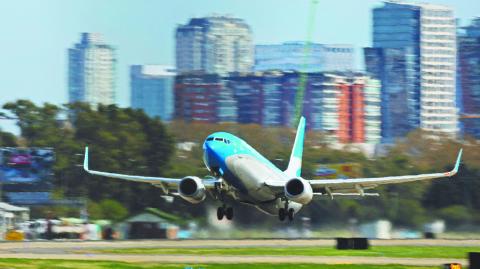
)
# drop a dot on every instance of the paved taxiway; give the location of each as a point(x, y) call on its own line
point(70, 250)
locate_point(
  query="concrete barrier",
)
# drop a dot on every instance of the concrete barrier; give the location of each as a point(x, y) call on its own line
point(352, 243)
point(474, 260)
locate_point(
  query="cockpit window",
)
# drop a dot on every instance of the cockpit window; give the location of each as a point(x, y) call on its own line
point(226, 141)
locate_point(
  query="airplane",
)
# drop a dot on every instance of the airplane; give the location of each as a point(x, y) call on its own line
point(241, 174)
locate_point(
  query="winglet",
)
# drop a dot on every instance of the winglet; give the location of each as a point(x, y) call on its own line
point(85, 160)
point(457, 164)
point(294, 168)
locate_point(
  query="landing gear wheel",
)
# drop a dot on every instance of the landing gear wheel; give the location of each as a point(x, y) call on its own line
point(220, 213)
point(282, 214)
point(229, 213)
point(291, 213)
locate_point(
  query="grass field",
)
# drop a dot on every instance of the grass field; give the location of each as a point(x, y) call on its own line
point(64, 264)
point(375, 251)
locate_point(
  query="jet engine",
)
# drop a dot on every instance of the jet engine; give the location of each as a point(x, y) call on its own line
point(192, 189)
point(298, 190)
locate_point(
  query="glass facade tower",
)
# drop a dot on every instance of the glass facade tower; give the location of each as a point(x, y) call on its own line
point(152, 90)
point(396, 69)
point(469, 76)
point(91, 71)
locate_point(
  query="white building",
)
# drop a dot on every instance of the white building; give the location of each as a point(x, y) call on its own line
point(438, 53)
point(373, 116)
point(152, 90)
point(215, 44)
point(91, 71)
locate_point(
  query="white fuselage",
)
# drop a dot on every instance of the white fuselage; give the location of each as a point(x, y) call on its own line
point(253, 174)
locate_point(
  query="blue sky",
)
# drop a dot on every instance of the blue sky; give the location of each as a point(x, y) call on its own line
point(35, 34)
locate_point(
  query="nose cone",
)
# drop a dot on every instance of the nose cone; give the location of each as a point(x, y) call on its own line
point(209, 155)
point(209, 146)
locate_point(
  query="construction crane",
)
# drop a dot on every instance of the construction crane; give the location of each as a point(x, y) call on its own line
point(303, 75)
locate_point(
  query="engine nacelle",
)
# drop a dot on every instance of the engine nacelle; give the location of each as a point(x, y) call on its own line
point(192, 190)
point(299, 191)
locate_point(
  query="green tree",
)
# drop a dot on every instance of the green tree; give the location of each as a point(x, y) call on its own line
point(121, 140)
point(38, 125)
point(7, 139)
point(455, 215)
point(112, 210)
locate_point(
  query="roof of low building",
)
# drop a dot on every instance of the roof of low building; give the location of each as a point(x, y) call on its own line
point(12, 208)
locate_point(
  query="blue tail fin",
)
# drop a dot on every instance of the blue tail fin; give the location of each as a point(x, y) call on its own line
point(294, 168)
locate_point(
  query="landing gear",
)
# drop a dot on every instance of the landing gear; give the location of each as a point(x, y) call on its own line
point(225, 211)
point(220, 213)
point(286, 212)
point(291, 213)
point(281, 214)
point(229, 213)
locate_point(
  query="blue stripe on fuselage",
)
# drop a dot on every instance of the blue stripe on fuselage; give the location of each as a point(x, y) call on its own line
point(216, 152)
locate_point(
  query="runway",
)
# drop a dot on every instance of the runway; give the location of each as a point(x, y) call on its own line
point(70, 250)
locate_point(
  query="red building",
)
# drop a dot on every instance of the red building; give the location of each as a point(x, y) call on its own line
point(344, 114)
point(357, 127)
point(351, 112)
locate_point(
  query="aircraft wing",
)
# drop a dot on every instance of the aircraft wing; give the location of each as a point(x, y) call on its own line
point(163, 182)
point(358, 185)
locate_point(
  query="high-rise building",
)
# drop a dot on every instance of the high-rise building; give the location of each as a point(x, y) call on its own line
point(469, 75)
point(247, 90)
point(396, 69)
point(321, 104)
point(346, 106)
point(204, 98)
point(426, 34)
point(152, 90)
point(214, 45)
point(91, 71)
point(300, 56)
point(372, 108)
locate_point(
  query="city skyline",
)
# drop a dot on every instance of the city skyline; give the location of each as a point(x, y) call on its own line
point(37, 34)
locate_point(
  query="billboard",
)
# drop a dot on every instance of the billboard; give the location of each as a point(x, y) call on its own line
point(25, 165)
point(26, 174)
